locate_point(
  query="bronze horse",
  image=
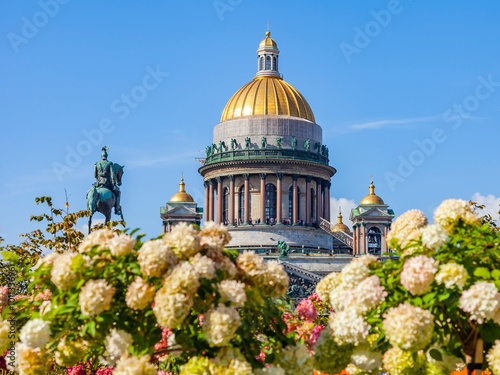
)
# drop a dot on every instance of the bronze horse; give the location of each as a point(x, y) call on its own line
point(101, 199)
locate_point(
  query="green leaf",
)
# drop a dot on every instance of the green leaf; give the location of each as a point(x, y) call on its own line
point(10, 256)
point(436, 354)
point(482, 272)
point(495, 274)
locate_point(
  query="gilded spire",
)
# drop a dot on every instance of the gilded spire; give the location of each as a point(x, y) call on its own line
point(340, 216)
point(182, 186)
point(182, 196)
point(372, 198)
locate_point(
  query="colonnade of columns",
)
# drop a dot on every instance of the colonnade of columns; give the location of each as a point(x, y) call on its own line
point(214, 210)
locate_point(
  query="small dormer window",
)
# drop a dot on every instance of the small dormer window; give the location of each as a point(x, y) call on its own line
point(268, 62)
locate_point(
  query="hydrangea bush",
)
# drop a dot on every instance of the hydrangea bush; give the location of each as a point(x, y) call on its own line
point(429, 310)
point(179, 303)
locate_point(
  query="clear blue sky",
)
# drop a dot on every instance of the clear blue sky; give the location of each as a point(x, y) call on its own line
point(422, 73)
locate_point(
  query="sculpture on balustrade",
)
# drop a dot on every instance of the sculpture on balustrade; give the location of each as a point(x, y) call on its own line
point(307, 145)
point(317, 145)
point(233, 144)
point(323, 150)
point(294, 143)
point(278, 142)
point(263, 142)
point(247, 142)
point(283, 249)
point(222, 146)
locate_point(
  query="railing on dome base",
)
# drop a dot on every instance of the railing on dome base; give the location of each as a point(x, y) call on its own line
point(340, 235)
point(294, 250)
point(248, 154)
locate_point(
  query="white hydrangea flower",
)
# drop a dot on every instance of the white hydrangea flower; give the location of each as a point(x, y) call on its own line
point(95, 297)
point(47, 260)
point(337, 298)
point(35, 333)
point(451, 210)
point(326, 285)
point(214, 236)
point(434, 236)
point(227, 267)
point(220, 325)
point(233, 291)
point(407, 227)
point(353, 273)
point(251, 264)
point(62, 275)
point(348, 326)
point(116, 342)
point(139, 294)
point(451, 274)
point(481, 301)
point(418, 274)
point(398, 362)
point(171, 309)
point(100, 238)
point(184, 240)
point(131, 365)
point(366, 295)
point(156, 258)
point(30, 361)
point(409, 327)
point(493, 358)
point(274, 280)
point(69, 353)
point(4, 335)
point(367, 259)
point(121, 244)
point(205, 266)
point(295, 360)
point(183, 279)
point(366, 359)
point(232, 362)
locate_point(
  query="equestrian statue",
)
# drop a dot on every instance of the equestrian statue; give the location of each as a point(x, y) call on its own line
point(105, 192)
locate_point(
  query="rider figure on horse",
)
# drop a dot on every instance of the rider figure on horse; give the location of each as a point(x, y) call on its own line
point(105, 178)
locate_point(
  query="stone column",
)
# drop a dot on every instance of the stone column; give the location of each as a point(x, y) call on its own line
point(325, 200)
point(207, 198)
point(247, 199)
point(318, 199)
point(231, 200)
point(262, 198)
point(219, 200)
point(164, 228)
point(295, 206)
point(363, 239)
point(279, 199)
point(383, 240)
point(308, 200)
point(356, 240)
point(211, 201)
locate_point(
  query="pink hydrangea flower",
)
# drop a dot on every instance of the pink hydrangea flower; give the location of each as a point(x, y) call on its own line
point(313, 337)
point(105, 371)
point(76, 370)
point(306, 310)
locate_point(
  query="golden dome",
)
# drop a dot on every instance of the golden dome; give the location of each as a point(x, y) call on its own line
point(268, 41)
point(182, 196)
point(267, 96)
point(372, 198)
point(340, 225)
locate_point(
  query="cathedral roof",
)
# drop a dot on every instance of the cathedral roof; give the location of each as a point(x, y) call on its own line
point(267, 93)
point(181, 196)
point(372, 198)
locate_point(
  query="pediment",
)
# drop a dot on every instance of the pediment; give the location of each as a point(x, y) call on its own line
point(180, 210)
